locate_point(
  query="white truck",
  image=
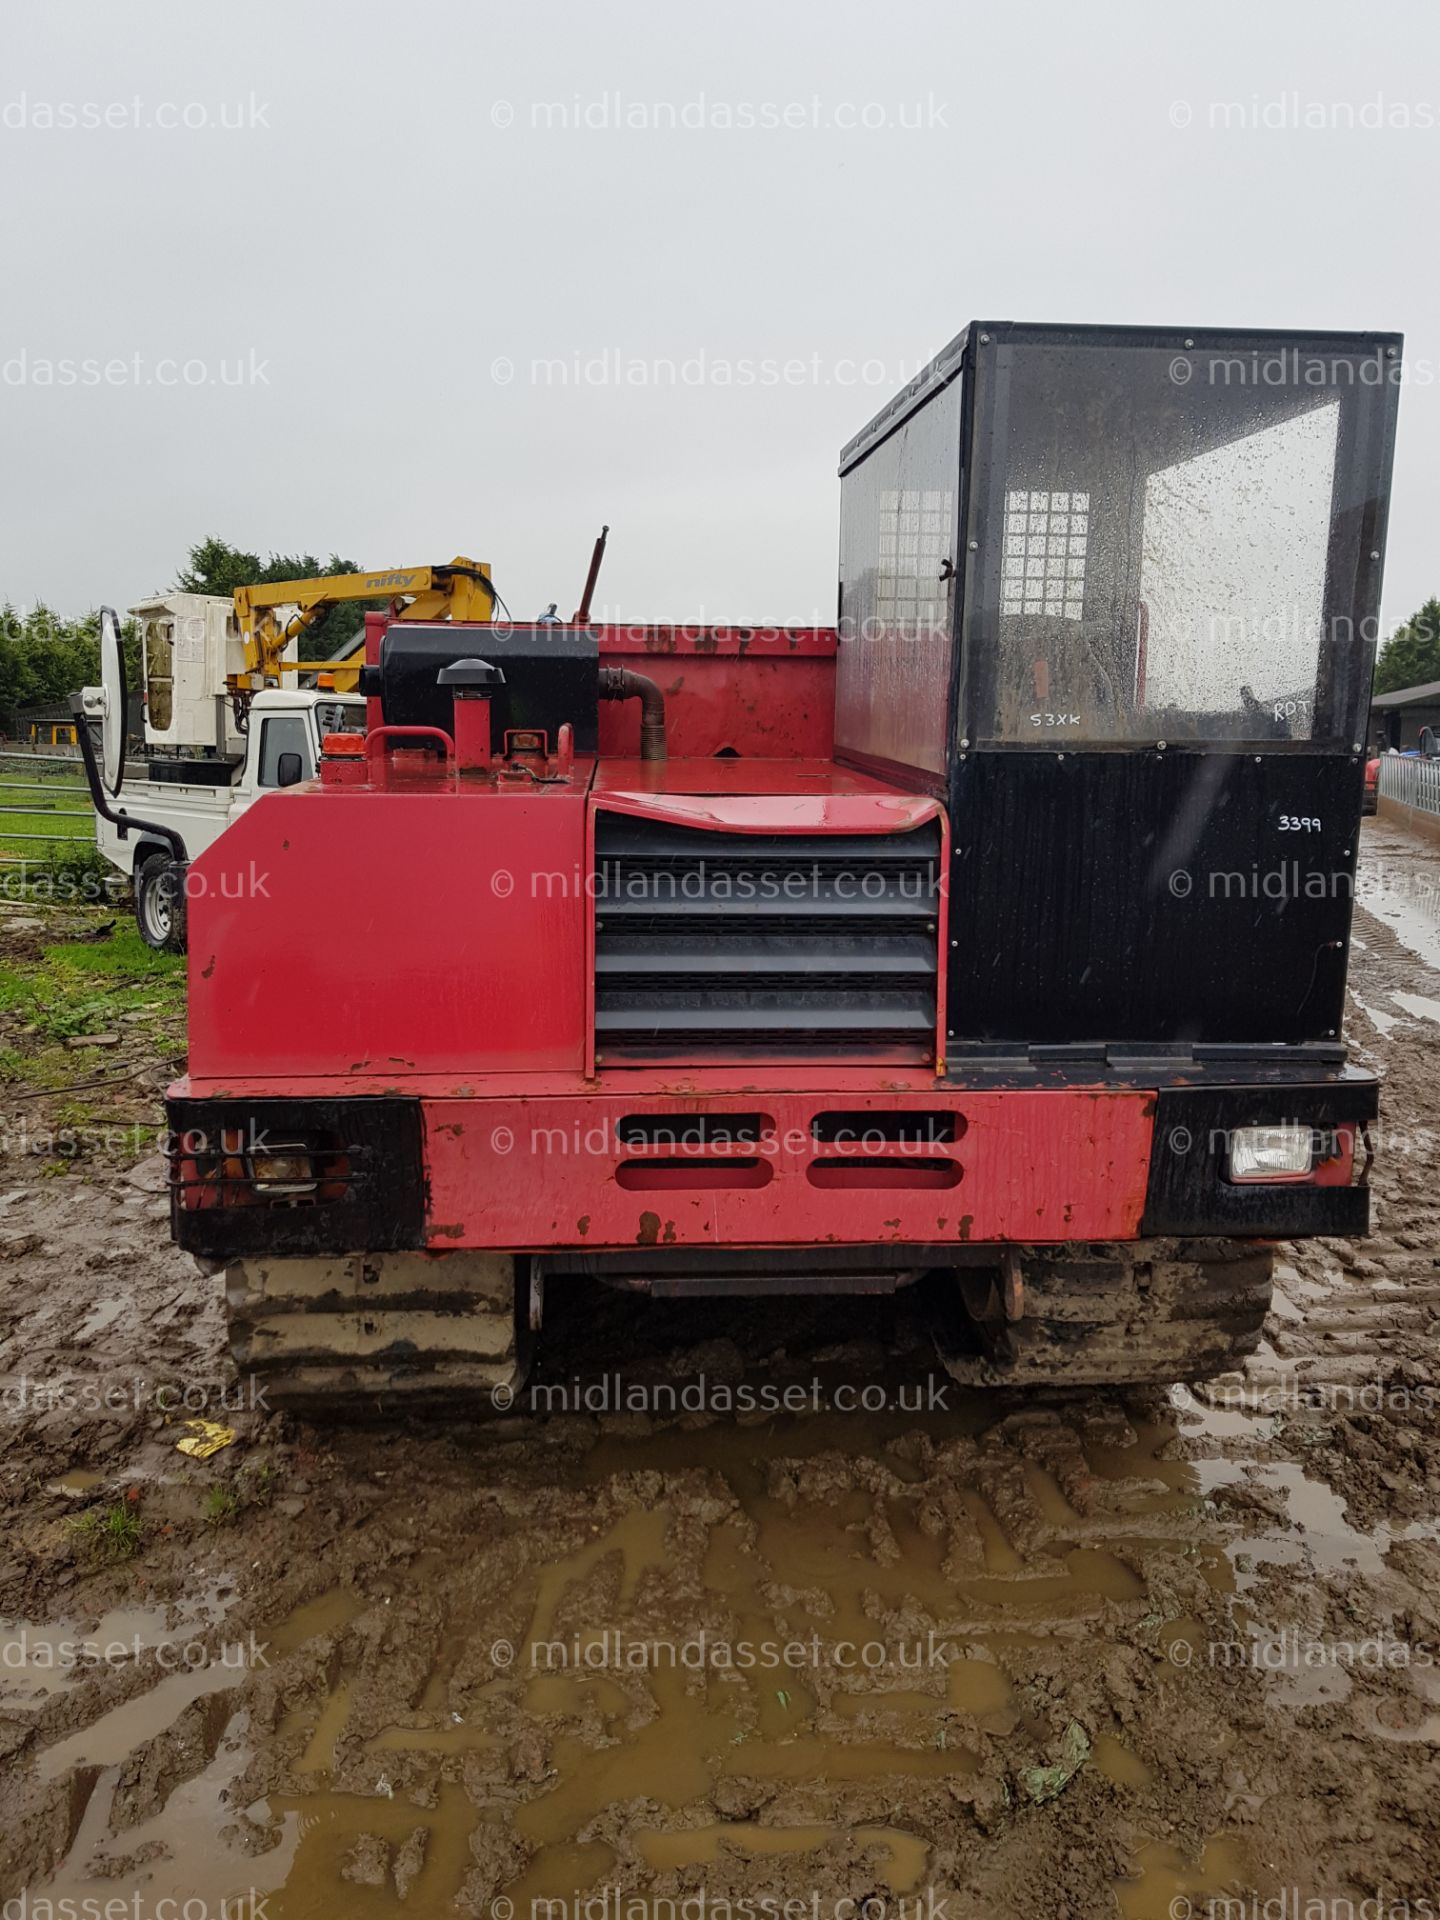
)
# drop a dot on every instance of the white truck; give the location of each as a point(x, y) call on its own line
point(201, 769)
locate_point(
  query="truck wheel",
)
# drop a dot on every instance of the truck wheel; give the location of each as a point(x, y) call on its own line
point(159, 904)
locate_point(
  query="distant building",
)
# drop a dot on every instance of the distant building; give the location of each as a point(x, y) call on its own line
point(53, 725)
point(1396, 718)
point(45, 726)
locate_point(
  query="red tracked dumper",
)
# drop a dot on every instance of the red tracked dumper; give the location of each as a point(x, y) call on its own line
point(739, 960)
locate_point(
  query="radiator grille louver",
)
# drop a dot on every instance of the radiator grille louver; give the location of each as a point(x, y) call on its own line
point(764, 945)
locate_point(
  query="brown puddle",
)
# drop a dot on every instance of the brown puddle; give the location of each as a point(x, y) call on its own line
point(559, 1873)
point(454, 1739)
point(117, 1734)
point(905, 1855)
point(572, 1692)
point(1318, 1513)
point(319, 1754)
point(197, 1867)
point(114, 1735)
point(38, 1659)
point(72, 1485)
point(332, 1612)
point(776, 1567)
point(670, 1760)
point(326, 1829)
point(1119, 1764)
point(1168, 1885)
point(971, 1686)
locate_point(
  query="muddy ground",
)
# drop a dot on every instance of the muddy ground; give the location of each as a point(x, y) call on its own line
point(1037, 1655)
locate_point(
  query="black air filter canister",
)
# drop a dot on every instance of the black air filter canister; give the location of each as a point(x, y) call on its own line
point(552, 674)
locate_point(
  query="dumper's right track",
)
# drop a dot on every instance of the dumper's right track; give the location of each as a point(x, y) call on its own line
point(377, 1334)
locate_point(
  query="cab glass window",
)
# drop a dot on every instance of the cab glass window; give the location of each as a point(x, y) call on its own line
point(283, 733)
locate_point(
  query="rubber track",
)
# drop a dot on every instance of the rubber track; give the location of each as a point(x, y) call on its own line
point(302, 1349)
point(1149, 1313)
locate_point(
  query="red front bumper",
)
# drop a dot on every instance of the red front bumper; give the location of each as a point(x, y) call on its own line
point(639, 1160)
point(786, 1169)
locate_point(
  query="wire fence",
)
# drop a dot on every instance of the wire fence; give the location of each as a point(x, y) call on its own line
point(1412, 783)
point(29, 757)
point(41, 791)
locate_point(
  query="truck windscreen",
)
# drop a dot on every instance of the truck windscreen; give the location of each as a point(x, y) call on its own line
point(339, 716)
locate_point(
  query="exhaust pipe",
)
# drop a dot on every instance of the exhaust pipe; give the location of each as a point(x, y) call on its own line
point(620, 683)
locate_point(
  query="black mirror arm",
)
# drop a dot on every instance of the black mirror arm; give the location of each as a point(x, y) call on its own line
point(124, 821)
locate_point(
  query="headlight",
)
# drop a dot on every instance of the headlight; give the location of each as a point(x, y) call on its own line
point(287, 1168)
point(1271, 1153)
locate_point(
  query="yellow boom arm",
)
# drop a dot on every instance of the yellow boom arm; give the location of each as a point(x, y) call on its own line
point(460, 591)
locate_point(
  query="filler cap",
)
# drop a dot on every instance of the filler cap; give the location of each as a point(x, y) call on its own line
point(470, 675)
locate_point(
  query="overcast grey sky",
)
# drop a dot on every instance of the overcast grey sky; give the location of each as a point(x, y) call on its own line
point(329, 284)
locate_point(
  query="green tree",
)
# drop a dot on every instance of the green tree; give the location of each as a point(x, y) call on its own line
point(1411, 656)
point(44, 658)
point(216, 567)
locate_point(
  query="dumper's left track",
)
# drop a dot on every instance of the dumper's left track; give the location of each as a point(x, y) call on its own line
point(1136, 1313)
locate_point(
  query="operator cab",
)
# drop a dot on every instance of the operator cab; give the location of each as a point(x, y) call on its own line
point(1113, 593)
